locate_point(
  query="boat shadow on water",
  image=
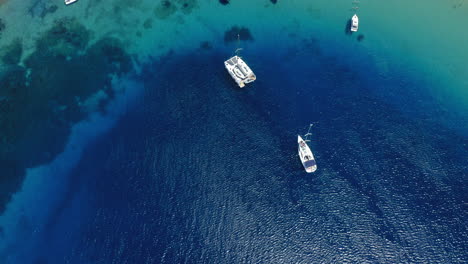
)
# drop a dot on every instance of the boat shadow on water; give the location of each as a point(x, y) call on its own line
point(348, 27)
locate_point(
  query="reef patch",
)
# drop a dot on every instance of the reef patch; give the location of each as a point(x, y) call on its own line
point(2, 26)
point(67, 37)
point(41, 8)
point(187, 6)
point(11, 54)
point(164, 9)
point(235, 33)
point(148, 23)
point(40, 101)
point(360, 37)
point(206, 45)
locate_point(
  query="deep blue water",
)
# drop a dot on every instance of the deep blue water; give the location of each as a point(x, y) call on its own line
point(199, 171)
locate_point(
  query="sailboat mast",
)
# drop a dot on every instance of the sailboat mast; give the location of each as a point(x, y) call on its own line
point(238, 44)
point(308, 132)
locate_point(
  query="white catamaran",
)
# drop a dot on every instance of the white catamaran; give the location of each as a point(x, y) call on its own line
point(305, 154)
point(239, 70)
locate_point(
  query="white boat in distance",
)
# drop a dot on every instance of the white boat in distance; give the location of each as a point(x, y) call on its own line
point(69, 2)
point(305, 154)
point(354, 23)
point(239, 71)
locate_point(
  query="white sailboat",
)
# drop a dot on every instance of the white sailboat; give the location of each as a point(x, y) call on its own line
point(354, 23)
point(305, 154)
point(239, 70)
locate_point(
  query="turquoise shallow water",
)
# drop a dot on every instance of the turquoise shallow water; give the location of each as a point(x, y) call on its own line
point(125, 141)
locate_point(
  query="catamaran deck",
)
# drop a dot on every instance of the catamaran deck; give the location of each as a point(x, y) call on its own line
point(239, 71)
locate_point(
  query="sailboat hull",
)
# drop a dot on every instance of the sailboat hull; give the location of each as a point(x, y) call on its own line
point(306, 156)
point(354, 23)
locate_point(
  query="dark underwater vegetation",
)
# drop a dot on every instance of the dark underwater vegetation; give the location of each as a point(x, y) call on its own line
point(224, 2)
point(2, 26)
point(37, 90)
point(166, 8)
point(237, 33)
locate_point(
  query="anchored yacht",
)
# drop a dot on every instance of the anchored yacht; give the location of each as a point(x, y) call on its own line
point(240, 71)
point(305, 154)
point(69, 2)
point(354, 23)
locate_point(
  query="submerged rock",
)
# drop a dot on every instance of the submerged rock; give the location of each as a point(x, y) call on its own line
point(206, 45)
point(52, 9)
point(41, 8)
point(236, 32)
point(12, 53)
point(12, 176)
point(186, 6)
point(360, 37)
point(66, 38)
point(224, 2)
point(164, 9)
point(148, 23)
point(109, 54)
point(2, 25)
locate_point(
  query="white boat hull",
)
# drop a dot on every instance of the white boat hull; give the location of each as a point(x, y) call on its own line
point(239, 71)
point(306, 156)
point(354, 23)
point(69, 2)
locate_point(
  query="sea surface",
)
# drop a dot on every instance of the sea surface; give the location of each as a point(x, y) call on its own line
point(124, 139)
